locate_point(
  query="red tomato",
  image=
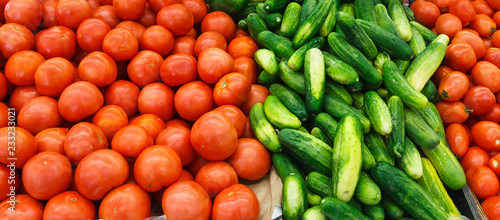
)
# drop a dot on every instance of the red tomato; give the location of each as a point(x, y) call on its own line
point(427, 13)
point(120, 44)
point(178, 69)
point(213, 63)
point(21, 95)
point(235, 201)
point(240, 33)
point(136, 28)
point(38, 114)
point(487, 42)
point(98, 68)
point(496, 18)
point(494, 4)
point(148, 17)
point(452, 112)
point(193, 99)
point(483, 182)
point(178, 138)
point(475, 156)
point(53, 76)
point(20, 67)
point(70, 13)
point(158, 99)
point(69, 203)
point(460, 56)
point(235, 115)
point(458, 139)
point(107, 14)
point(440, 73)
point(184, 44)
point(248, 132)
point(186, 200)
point(486, 74)
point(157, 5)
point(158, 39)
point(8, 178)
point(209, 39)
point(232, 89)
point(127, 201)
point(221, 22)
point(83, 139)
point(491, 206)
point(26, 207)
point(110, 119)
point(15, 38)
point(242, 46)
point(197, 163)
point(486, 134)
point(493, 115)
point(464, 10)
point(479, 99)
point(448, 24)
point(129, 9)
point(198, 8)
point(484, 25)
point(443, 5)
point(4, 115)
point(494, 164)
point(258, 93)
point(144, 68)
point(482, 7)
point(157, 166)
point(89, 101)
point(492, 55)
point(49, 14)
point(124, 94)
point(23, 142)
point(25, 12)
point(495, 39)
point(453, 86)
point(214, 136)
point(152, 123)
point(90, 34)
point(106, 2)
point(473, 40)
point(175, 122)
point(3, 86)
point(57, 41)
point(251, 160)
point(216, 176)
point(247, 67)
point(51, 139)
point(176, 18)
point(131, 140)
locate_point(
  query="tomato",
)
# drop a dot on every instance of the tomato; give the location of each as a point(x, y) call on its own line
point(484, 25)
point(184, 44)
point(258, 93)
point(214, 136)
point(473, 40)
point(486, 74)
point(493, 115)
point(479, 99)
point(186, 200)
point(48, 14)
point(25, 12)
point(20, 68)
point(90, 34)
point(136, 28)
point(251, 160)
point(427, 13)
point(242, 46)
point(491, 206)
point(443, 5)
point(39, 113)
point(486, 134)
point(492, 55)
point(448, 24)
point(216, 176)
point(15, 38)
point(158, 99)
point(460, 56)
point(51, 139)
point(158, 39)
point(127, 201)
point(8, 178)
point(494, 164)
point(157, 166)
point(197, 163)
point(232, 89)
point(124, 94)
point(131, 140)
point(457, 138)
point(236, 201)
point(464, 10)
point(180, 122)
point(53, 76)
point(495, 39)
point(3, 86)
point(209, 39)
point(487, 42)
point(98, 68)
point(129, 9)
point(148, 17)
point(4, 115)
point(70, 13)
point(247, 67)
point(121, 44)
point(152, 123)
point(178, 138)
point(248, 132)
point(194, 99)
point(178, 69)
point(235, 115)
point(176, 18)
point(89, 101)
point(107, 14)
point(25, 146)
point(110, 119)
point(83, 139)
point(221, 22)
point(453, 86)
point(21, 95)
point(198, 8)
point(26, 207)
point(440, 73)
point(453, 112)
point(57, 41)
point(213, 63)
point(157, 5)
point(483, 181)
point(482, 7)
point(69, 203)
point(144, 68)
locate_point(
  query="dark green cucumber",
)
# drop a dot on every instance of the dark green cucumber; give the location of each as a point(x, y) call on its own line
point(367, 192)
point(347, 153)
point(380, 59)
point(314, 71)
point(356, 35)
point(330, 20)
point(395, 140)
point(294, 197)
point(267, 60)
point(378, 113)
point(267, 79)
point(365, 10)
point(419, 131)
point(263, 129)
point(401, 22)
point(309, 28)
point(355, 87)
point(391, 209)
point(417, 42)
point(336, 89)
point(335, 208)
point(409, 13)
point(281, 46)
point(352, 56)
point(314, 213)
point(383, 20)
point(397, 84)
point(402, 65)
point(368, 159)
point(291, 18)
point(312, 200)
point(274, 20)
point(277, 113)
point(231, 7)
point(386, 41)
point(261, 11)
point(377, 147)
point(410, 160)
point(294, 80)
point(284, 165)
point(338, 70)
point(432, 119)
point(308, 148)
point(356, 204)
point(427, 34)
point(296, 61)
point(338, 108)
point(243, 24)
point(256, 24)
point(291, 100)
point(358, 100)
point(307, 7)
point(275, 5)
point(250, 8)
point(327, 124)
point(406, 192)
point(375, 212)
point(430, 90)
point(319, 183)
point(348, 7)
point(318, 133)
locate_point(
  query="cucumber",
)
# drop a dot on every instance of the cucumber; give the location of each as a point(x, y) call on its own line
point(358, 100)
point(365, 10)
point(347, 161)
point(327, 124)
point(294, 80)
point(278, 114)
point(377, 147)
point(292, 101)
point(410, 160)
point(291, 18)
point(314, 213)
point(263, 129)
point(294, 197)
point(318, 133)
point(406, 192)
point(267, 60)
point(402, 65)
point(307, 7)
point(334, 209)
point(303, 167)
point(309, 149)
point(386, 41)
point(231, 7)
point(417, 42)
point(330, 20)
point(368, 159)
point(375, 212)
point(296, 61)
point(274, 20)
point(430, 90)
point(348, 7)
point(250, 8)
point(380, 59)
point(397, 84)
point(432, 119)
point(242, 24)
point(432, 184)
point(419, 131)
point(395, 140)
point(367, 192)
point(383, 20)
point(391, 209)
point(427, 34)
point(267, 79)
point(302, 129)
point(336, 89)
point(275, 5)
point(352, 56)
point(256, 24)
point(356, 35)
point(319, 183)
point(284, 165)
point(355, 87)
point(401, 22)
point(338, 70)
point(378, 113)
point(314, 71)
point(261, 11)
point(355, 204)
point(446, 165)
point(312, 200)
point(383, 93)
point(281, 46)
point(409, 13)
point(308, 29)
point(338, 108)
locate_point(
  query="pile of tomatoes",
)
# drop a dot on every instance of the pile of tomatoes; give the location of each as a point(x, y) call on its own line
point(469, 83)
point(110, 106)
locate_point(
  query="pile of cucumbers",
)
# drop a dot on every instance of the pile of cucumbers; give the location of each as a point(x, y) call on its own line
point(351, 109)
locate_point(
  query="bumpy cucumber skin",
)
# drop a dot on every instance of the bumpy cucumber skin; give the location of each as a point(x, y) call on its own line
point(391, 209)
point(327, 124)
point(335, 208)
point(263, 129)
point(281, 46)
point(383, 20)
point(318, 133)
point(401, 22)
point(336, 89)
point(419, 131)
point(291, 100)
point(425, 64)
point(417, 42)
point(294, 80)
point(256, 24)
point(356, 35)
point(337, 108)
point(375, 212)
point(294, 197)
point(377, 147)
point(284, 165)
point(378, 113)
point(367, 192)
point(278, 114)
point(267, 60)
point(314, 71)
point(395, 140)
point(397, 84)
point(338, 70)
point(291, 18)
point(365, 10)
point(427, 34)
point(319, 184)
point(368, 160)
point(296, 61)
point(313, 22)
point(314, 213)
point(410, 160)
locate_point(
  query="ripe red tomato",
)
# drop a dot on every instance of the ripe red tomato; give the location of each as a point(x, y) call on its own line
point(157, 5)
point(26, 207)
point(25, 12)
point(247, 67)
point(121, 44)
point(486, 74)
point(464, 10)
point(131, 140)
point(144, 68)
point(494, 4)
point(215, 177)
point(484, 25)
point(178, 138)
point(186, 199)
point(242, 46)
point(494, 164)
point(487, 42)
point(213, 63)
point(158, 39)
point(4, 115)
point(127, 201)
point(136, 28)
point(258, 93)
point(251, 160)
point(457, 138)
point(69, 203)
point(99, 172)
point(486, 135)
point(110, 119)
point(124, 94)
point(483, 181)
point(235, 201)
point(158, 99)
point(479, 99)
point(440, 73)
point(3, 86)
point(427, 13)
point(197, 163)
point(482, 7)
point(90, 34)
point(475, 156)
point(23, 142)
point(15, 38)
point(70, 13)
point(209, 39)
point(107, 14)
point(193, 99)
point(443, 5)
point(453, 86)
point(235, 115)
point(148, 17)
point(473, 40)
point(198, 8)
point(98, 68)
point(184, 44)
point(39, 113)
point(176, 18)
point(152, 123)
point(89, 101)
point(7, 181)
point(460, 56)
point(213, 136)
point(83, 139)
point(492, 55)
point(493, 115)
point(51, 139)
point(448, 24)
point(175, 122)
point(491, 206)
point(452, 112)
point(57, 41)
point(496, 18)
point(178, 69)
point(129, 9)
point(20, 68)
point(21, 95)
point(53, 76)
point(495, 39)
point(221, 22)
point(48, 14)
point(156, 167)
point(232, 89)
point(248, 132)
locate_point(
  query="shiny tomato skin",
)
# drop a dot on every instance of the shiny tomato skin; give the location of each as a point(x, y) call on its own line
point(457, 138)
point(21, 67)
point(235, 201)
point(460, 56)
point(110, 119)
point(144, 68)
point(491, 206)
point(129, 9)
point(494, 164)
point(176, 18)
point(178, 138)
point(483, 181)
point(57, 41)
point(136, 28)
point(197, 163)
point(475, 156)
point(26, 208)
point(482, 7)
point(235, 115)
point(70, 13)
point(453, 86)
point(48, 14)
point(221, 22)
point(493, 115)
point(124, 94)
point(194, 99)
point(216, 176)
point(83, 139)
point(53, 76)
point(90, 34)
point(213, 63)
point(176, 121)
point(479, 99)
point(121, 44)
point(15, 38)
point(158, 99)
point(186, 200)
point(25, 145)
point(209, 39)
point(25, 12)
point(127, 201)
point(156, 167)
point(248, 132)
point(464, 10)
point(486, 74)
point(131, 140)
point(251, 160)
point(98, 68)
point(158, 39)
point(178, 69)
point(184, 44)
point(198, 8)
point(4, 115)
point(258, 94)
point(426, 13)
point(486, 135)
point(7, 180)
point(157, 5)
point(152, 123)
point(38, 114)
point(453, 112)
point(484, 25)
point(90, 100)
point(69, 203)
point(3, 88)
point(247, 67)
point(148, 17)
point(107, 14)
point(232, 89)
point(465, 36)
point(51, 139)
point(448, 24)
point(440, 73)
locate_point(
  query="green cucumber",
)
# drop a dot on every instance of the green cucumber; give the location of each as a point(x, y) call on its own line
point(402, 65)
point(368, 159)
point(307, 7)
point(284, 165)
point(231, 7)
point(430, 90)
point(367, 192)
point(355, 87)
point(348, 7)
point(250, 8)
point(275, 5)
point(409, 13)
point(356, 35)
point(267, 60)
point(347, 161)
point(256, 24)
point(406, 192)
point(432, 119)
point(291, 18)
point(338, 108)
point(417, 42)
point(281, 46)
point(330, 20)
point(302, 129)
point(356, 204)
point(319, 183)
point(365, 10)
point(313, 199)
point(294, 197)
point(392, 209)
point(334, 209)
point(380, 59)
point(277, 113)
point(314, 213)
point(314, 71)
point(338, 70)
point(358, 100)
point(427, 34)
point(383, 93)
point(318, 133)
point(419, 131)
point(378, 113)
point(377, 147)
point(336, 89)
point(296, 61)
point(261, 11)
point(294, 80)
point(308, 29)
point(383, 20)
point(267, 79)
point(401, 22)
point(410, 160)
point(243, 24)
point(274, 20)
point(327, 124)
point(395, 140)
point(352, 56)
point(397, 84)
point(292, 101)
point(375, 212)
point(263, 129)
